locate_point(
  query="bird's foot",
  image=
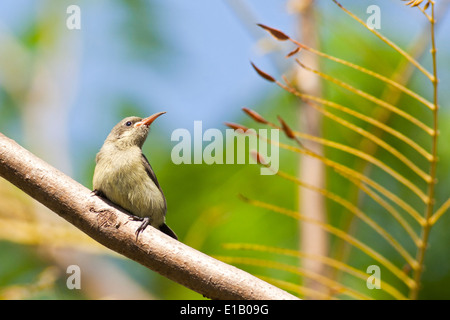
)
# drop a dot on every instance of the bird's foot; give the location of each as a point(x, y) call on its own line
point(141, 228)
point(97, 193)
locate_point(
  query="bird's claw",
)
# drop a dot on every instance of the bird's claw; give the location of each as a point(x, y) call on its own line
point(142, 227)
point(97, 193)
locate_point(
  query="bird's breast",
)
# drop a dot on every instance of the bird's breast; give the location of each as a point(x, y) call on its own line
point(124, 181)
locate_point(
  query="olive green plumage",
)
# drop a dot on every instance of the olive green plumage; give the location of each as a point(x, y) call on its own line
point(124, 176)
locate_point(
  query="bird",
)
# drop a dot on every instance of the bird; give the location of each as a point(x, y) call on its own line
point(124, 176)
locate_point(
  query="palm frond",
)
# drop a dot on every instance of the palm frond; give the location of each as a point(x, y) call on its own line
point(412, 208)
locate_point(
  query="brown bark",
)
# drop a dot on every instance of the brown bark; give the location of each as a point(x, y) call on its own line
point(110, 226)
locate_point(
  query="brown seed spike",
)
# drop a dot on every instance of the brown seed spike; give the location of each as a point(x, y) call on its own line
point(289, 133)
point(277, 34)
point(258, 157)
point(236, 126)
point(290, 54)
point(263, 74)
point(255, 116)
point(243, 198)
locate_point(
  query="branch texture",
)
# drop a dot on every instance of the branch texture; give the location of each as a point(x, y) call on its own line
point(109, 225)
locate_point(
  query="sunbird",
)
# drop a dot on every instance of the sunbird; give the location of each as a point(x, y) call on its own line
point(124, 176)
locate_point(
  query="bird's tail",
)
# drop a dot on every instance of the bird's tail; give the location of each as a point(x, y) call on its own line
point(165, 228)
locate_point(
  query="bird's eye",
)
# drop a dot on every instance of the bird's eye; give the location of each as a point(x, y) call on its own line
point(128, 123)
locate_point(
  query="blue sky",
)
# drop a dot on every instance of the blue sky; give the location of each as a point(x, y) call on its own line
point(206, 75)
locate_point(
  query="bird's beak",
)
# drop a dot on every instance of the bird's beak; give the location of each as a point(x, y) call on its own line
point(148, 121)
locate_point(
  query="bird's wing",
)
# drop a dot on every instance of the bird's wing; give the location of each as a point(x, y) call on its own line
point(152, 176)
point(150, 172)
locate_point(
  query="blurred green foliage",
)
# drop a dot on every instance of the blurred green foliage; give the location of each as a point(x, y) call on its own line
point(204, 207)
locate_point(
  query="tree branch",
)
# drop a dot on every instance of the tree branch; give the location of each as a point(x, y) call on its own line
point(109, 225)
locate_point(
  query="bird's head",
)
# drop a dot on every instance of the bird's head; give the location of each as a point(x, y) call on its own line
point(131, 131)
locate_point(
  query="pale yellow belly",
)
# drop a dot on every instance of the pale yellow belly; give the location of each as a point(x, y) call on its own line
point(129, 186)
